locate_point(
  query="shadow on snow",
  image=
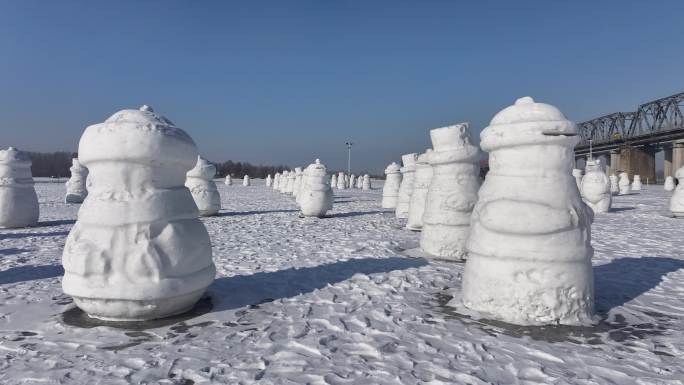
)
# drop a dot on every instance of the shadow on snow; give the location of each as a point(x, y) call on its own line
point(29, 273)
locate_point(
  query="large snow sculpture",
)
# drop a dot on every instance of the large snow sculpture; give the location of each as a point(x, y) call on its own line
point(138, 250)
point(452, 192)
point(390, 191)
point(333, 181)
point(677, 200)
point(228, 181)
point(269, 181)
point(421, 181)
point(316, 197)
point(406, 187)
point(201, 184)
point(76, 190)
point(623, 184)
point(341, 181)
point(614, 188)
point(529, 250)
point(366, 183)
point(596, 187)
point(297, 186)
point(669, 184)
point(18, 199)
point(577, 173)
point(246, 181)
point(636, 183)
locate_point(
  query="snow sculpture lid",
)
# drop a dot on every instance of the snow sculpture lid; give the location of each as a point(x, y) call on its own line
point(593, 165)
point(422, 160)
point(409, 161)
point(392, 168)
point(140, 135)
point(298, 170)
point(528, 122)
point(452, 144)
point(14, 156)
point(203, 169)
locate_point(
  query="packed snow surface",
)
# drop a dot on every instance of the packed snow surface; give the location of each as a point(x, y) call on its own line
point(336, 301)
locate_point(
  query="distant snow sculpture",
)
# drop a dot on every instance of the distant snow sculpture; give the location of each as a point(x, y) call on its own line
point(201, 184)
point(299, 178)
point(283, 182)
point(421, 181)
point(390, 191)
point(333, 181)
point(138, 250)
point(669, 184)
point(577, 173)
point(276, 181)
point(596, 187)
point(636, 183)
point(677, 200)
point(614, 188)
point(76, 190)
point(341, 181)
point(529, 250)
point(623, 184)
point(315, 197)
point(18, 199)
point(228, 181)
point(289, 186)
point(352, 181)
point(406, 187)
point(452, 192)
point(366, 183)
point(269, 181)
point(246, 181)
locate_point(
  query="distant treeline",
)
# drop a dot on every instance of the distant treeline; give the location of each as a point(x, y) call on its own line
point(240, 169)
point(57, 164)
point(51, 164)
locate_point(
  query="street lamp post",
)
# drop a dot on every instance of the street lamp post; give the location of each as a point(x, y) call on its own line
point(349, 147)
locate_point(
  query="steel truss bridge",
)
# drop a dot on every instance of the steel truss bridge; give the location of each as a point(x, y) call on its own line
point(652, 123)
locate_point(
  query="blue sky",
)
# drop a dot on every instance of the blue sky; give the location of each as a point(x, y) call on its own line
point(288, 81)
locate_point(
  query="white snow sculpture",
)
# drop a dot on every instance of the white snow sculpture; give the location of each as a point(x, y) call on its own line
point(390, 191)
point(341, 181)
point(636, 183)
point(677, 200)
point(299, 178)
point(352, 181)
point(289, 186)
point(452, 192)
point(18, 199)
point(138, 250)
point(315, 198)
point(529, 250)
point(614, 188)
point(269, 181)
point(406, 187)
point(228, 181)
point(421, 181)
point(76, 190)
point(276, 181)
point(669, 184)
point(333, 181)
point(201, 184)
point(577, 173)
point(366, 183)
point(623, 184)
point(596, 187)
point(246, 181)
point(283, 182)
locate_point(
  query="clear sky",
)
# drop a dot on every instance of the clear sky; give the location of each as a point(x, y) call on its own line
point(288, 81)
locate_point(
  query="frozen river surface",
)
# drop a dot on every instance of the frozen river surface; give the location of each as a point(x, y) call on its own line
point(336, 301)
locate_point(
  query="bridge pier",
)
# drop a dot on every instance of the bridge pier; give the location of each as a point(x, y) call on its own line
point(667, 161)
point(677, 156)
point(640, 161)
point(614, 162)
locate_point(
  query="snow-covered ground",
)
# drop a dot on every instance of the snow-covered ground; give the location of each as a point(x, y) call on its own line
point(336, 301)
